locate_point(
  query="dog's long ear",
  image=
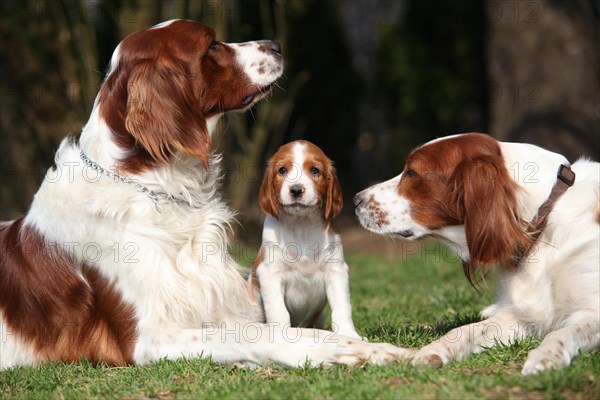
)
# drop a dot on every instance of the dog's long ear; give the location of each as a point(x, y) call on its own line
point(487, 199)
point(335, 201)
point(162, 113)
point(267, 198)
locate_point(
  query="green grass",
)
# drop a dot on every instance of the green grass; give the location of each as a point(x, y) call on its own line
point(408, 303)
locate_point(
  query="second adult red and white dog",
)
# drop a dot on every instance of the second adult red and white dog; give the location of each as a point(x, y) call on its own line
point(122, 257)
point(482, 196)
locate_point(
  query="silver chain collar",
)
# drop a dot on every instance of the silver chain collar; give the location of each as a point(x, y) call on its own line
point(157, 197)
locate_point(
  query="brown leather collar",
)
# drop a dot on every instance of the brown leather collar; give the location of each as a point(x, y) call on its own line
point(564, 180)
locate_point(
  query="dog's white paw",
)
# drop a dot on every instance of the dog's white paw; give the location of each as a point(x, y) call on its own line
point(434, 354)
point(542, 359)
point(357, 352)
point(385, 353)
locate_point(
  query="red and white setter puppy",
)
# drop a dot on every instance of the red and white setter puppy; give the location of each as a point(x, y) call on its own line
point(301, 266)
point(479, 196)
point(122, 257)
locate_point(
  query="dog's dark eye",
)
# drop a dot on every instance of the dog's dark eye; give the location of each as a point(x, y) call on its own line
point(214, 45)
point(410, 172)
point(315, 171)
point(282, 170)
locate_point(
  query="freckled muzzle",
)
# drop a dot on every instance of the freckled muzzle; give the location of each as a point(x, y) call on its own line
point(269, 46)
point(369, 212)
point(262, 62)
point(380, 210)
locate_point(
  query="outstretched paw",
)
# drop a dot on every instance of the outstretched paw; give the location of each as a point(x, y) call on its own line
point(358, 352)
point(434, 355)
point(539, 360)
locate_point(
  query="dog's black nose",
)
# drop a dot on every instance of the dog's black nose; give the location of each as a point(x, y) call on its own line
point(276, 47)
point(358, 200)
point(296, 190)
point(269, 46)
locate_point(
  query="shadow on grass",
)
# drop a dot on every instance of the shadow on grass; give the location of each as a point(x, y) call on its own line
point(420, 334)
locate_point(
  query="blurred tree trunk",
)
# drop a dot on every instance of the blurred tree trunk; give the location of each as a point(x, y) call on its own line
point(543, 64)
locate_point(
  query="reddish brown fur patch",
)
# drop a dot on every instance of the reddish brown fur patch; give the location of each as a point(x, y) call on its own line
point(326, 183)
point(463, 180)
point(46, 303)
point(270, 188)
point(379, 216)
point(165, 85)
point(433, 166)
point(259, 259)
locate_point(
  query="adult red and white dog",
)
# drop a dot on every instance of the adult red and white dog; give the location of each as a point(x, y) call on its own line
point(480, 195)
point(122, 257)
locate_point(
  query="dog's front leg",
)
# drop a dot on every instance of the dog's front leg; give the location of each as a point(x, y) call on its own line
point(473, 338)
point(559, 347)
point(338, 296)
point(271, 291)
point(262, 344)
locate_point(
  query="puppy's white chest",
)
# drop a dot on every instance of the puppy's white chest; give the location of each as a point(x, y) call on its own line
point(304, 293)
point(302, 264)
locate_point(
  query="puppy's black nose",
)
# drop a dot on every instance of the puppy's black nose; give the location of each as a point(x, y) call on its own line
point(296, 190)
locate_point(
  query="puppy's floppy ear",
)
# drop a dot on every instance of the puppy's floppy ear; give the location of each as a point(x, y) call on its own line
point(335, 201)
point(162, 113)
point(486, 197)
point(267, 198)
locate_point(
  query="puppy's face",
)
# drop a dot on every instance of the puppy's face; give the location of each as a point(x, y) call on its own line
point(300, 180)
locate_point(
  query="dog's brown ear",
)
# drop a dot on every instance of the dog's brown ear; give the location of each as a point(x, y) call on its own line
point(335, 201)
point(162, 114)
point(487, 196)
point(267, 198)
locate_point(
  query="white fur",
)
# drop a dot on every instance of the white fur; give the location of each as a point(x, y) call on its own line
point(164, 24)
point(555, 292)
point(396, 208)
point(300, 178)
point(13, 349)
point(303, 263)
point(253, 61)
point(169, 261)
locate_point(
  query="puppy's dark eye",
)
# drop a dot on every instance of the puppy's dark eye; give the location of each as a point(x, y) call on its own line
point(315, 171)
point(214, 45)
point(410, 172)
point(283, 171)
